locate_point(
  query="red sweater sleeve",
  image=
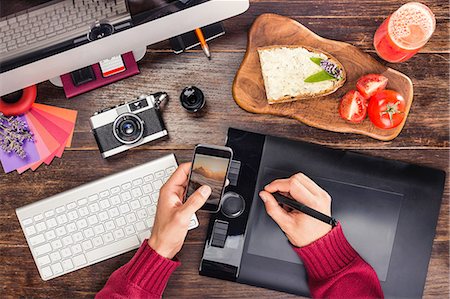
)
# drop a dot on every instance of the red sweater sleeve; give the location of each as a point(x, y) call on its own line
point(145, 276)
point(335, 269)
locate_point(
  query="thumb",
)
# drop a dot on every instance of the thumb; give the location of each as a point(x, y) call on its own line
point(197, 200)
point(277, 213)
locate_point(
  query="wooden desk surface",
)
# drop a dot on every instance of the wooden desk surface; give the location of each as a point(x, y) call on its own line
point(424, 140)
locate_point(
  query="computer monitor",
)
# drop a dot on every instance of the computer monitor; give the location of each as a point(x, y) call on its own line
point(40, 39)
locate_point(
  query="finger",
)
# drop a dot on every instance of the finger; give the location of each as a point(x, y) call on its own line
point(196, 200)
point(308, 183)
point(275, 211)
point(180, 176)
point(280, 185)
point(292, 186)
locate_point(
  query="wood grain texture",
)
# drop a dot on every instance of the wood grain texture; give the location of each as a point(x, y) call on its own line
point(320, 112)
point(424, 140)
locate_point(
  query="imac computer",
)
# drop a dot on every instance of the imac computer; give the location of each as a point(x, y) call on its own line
point(42, 39)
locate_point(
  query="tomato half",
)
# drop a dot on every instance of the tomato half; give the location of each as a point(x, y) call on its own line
point(353, 107)
point(387, 109)
point(369, 85)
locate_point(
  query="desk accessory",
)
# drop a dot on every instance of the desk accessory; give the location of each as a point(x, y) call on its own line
point(271, 29)
point(104, 218)
point(192, 99)
point(376, 201)
point(203, 43)
point(18, 102)
point(94, 77)
point(128, 125)
point(52, 130)
point(298, 206)
point(190, 39)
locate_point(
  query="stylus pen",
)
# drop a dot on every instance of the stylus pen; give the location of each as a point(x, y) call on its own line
point(305, 209)
point(203, 43)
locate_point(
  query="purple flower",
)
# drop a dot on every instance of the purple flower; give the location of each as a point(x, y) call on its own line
point(331, 68)
point(14, 132)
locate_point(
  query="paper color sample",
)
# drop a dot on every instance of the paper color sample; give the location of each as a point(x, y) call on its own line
point(12, 161)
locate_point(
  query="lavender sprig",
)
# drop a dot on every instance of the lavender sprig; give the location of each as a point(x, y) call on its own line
point(331, 68)
point(14, 132)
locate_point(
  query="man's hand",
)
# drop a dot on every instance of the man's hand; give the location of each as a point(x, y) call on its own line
point(300, 228)
point(172, 216)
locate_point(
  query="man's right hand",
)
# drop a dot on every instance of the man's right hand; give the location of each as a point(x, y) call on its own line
point(300, 229)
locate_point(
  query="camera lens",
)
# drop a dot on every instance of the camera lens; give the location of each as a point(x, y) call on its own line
point(192, 99)
point(128, 128)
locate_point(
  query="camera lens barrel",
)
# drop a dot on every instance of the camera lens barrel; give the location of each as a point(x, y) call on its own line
point(192, 99)
point(128, 128)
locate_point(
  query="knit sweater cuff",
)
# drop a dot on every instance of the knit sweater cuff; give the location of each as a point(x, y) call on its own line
point(328, 255)
point(150, 271)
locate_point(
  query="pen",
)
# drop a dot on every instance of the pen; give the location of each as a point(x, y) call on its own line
point(305, 209)
point(203, 43)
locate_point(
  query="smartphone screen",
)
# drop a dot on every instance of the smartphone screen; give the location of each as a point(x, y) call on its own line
point(210, 167)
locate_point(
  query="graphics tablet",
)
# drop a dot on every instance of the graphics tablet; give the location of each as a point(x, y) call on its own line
point(388, 211)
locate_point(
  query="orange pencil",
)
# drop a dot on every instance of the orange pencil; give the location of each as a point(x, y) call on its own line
point(203, 43)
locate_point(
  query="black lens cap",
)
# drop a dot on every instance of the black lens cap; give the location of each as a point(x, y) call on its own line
point(192, 99)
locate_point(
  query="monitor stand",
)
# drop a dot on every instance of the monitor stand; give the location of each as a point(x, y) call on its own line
point(138, 55)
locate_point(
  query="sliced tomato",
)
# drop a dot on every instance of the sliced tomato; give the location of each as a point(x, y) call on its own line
point(369, 85)
point(387, 109)
point(353, 107)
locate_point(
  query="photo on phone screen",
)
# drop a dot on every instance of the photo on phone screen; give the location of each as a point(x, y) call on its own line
point(210, 167)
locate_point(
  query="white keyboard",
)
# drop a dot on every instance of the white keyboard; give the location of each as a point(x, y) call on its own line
point(96, 221)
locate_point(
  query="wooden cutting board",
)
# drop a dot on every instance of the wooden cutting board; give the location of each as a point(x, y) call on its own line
point(320, 112)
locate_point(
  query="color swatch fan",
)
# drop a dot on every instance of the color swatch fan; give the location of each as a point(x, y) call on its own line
point(52, 130)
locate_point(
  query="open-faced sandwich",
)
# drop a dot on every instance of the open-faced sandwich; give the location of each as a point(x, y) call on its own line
point(294, 72)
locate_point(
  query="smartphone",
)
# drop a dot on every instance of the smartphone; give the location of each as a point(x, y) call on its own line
point(210, 167)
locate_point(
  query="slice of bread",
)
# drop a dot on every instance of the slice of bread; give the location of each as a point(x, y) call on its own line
point(284, 69)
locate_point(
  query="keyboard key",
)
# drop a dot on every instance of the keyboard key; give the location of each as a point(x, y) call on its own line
point(71, 227)
point(115, 190)
point(55, 256)
point(104, 204)
point(92, 220)
point(99, 229)
point(157, 184)
point(115, 200)
point(145, 201)
point(57, 268)
point(129, 230)
point(121, 221)
point(142, 214)
point(89, 233)
point(46, 272)
point(126, 186)
point(152, 210)
point(114, 212)
point(97, 241)
point(107, 238)
point(87, 245)
point(140, 226)
point(93, 197)
point(67, 265)
point(41, 226)
point(72, 215)
point(136, 192)
point(124, 208)
point(71, 206)
point(57, 244)
point(155, 197)
point(131, 217)
point(82, 223)
point(147, 188)
point(135, 204)
point(94, 208)
point(110, 225)
point(119, 234)
point(61, 231)
point(149, 222)
point(159, 174)
point(149, 178)
point(125, 196)
point(104, 193)
point(31, 230)
point(49, 214)
point(51, 222)
point(76, 249)
point(77, 237)
point(43, 249)
point(103, 216)
point(65, 252)
point(61, 219)
point(83, 211)
point(67, 240)
point(50, 235)
point(112, 249)
point(38, 239)
point(82, 201)
point(27, 222)
point(60, 209)
point(137, 182)
point(170, 170)
point(43, 260)
point(38, 217)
